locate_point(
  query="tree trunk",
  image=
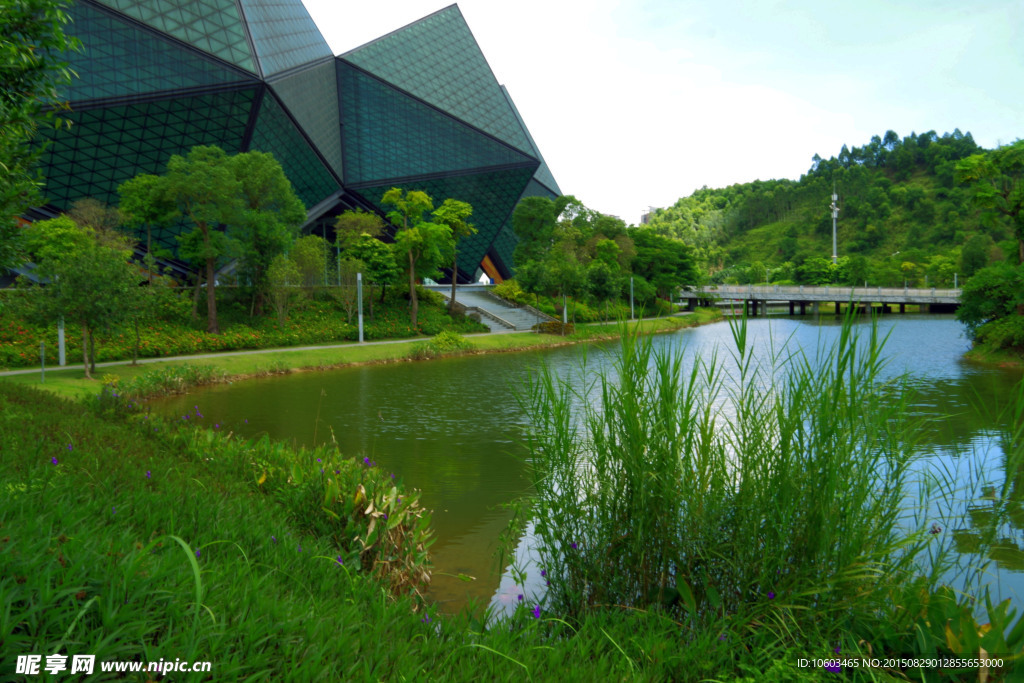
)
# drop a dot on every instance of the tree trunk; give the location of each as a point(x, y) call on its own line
point(211, 297)
point(195, 296)
point(85, 351)
point(413, 302)
point(92, 351)
point(135, 351)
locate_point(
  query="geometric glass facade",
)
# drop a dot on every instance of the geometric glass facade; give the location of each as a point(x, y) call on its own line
point(417, 109)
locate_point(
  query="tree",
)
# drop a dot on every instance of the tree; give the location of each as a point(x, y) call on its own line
point(205, 190)
point(32, 72)
point(89, 283)
point(310, 256)
point(533, 221)
point(144, 203)
point(379, 261)
point(424, 244)
point(455, 214)
point(994, 292)
point(282, 275)
point(997, 178)
point(351, 225)
point(270, 218)
point(666, 263)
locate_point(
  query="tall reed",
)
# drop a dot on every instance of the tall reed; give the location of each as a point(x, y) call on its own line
point(711, 493)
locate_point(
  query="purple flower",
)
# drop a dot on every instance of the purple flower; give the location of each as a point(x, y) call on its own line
point(319, 460)
point(574, 546)
point(149, 475)
point(339, 560)
point(300, 547)
point(519, 597)
point(274, 539)
point(543, 572)
point(217, 426)
point(425, 619)
point(113, 510)
point(366, 461)
point(69, 447)
point(246, 420)
point(833, 667)
point(53, 460)
point(837, 649)
point(721, 637)
point(771, 595)
point(197, 553)
point(536, 611)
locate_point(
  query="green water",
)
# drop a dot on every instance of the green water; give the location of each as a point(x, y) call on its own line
point(453, 429)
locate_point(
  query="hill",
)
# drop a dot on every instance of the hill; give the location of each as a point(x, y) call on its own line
point(903, 218)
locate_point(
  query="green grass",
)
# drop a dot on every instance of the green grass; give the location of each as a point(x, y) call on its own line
point(98, 551)
point(70, 382)
point(764, 504)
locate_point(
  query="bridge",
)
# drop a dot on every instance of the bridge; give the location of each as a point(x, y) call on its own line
point(758, 297)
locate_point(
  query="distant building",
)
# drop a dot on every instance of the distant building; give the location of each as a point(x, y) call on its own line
point(418, 108)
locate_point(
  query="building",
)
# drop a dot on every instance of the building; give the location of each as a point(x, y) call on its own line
point(418, 108)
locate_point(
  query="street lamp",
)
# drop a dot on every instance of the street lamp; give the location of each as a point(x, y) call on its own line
point(835, 214)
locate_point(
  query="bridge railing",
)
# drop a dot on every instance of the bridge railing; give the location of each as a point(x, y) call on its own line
point(840, 293)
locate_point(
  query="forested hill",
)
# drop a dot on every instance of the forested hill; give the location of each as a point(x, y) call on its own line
point(903, 217)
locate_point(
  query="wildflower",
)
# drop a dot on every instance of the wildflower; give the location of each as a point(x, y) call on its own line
point(197, 553)
point(246, 420)
point(935, 528)
point(319, 460)
point(69, 447)
point(771, 595)
point(113, 511)
point(573, 545)
point(274, 539)
point(300, 547)
point(536, 611)
point(425, 619)
point(149, 475)
point(543, 572)
point(833, 666)
point(721, 637)
point(53, 460)
point(519, 597)
point(339, 560)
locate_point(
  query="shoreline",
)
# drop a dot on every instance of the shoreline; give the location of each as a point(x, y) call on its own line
point(252, 364)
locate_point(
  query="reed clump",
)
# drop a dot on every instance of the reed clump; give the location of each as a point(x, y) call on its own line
point(760, 501)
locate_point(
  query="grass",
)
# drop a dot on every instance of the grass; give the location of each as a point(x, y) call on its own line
point(235, 366)
point(136, 539)
point(764, 504)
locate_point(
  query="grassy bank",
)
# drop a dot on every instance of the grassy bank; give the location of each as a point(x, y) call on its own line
point(177, 375)
point(133, 538)
point(993, 354)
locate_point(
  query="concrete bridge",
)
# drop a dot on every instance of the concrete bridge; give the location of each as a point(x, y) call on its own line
point(758, 297)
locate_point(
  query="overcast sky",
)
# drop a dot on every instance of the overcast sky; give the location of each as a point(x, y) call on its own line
point(636, 103)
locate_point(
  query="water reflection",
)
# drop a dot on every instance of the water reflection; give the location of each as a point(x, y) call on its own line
point(453, 429)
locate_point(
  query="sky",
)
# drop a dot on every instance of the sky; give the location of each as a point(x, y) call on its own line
point(637, 103)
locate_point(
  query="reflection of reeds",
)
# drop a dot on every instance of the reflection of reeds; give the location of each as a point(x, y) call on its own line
point(772, 494)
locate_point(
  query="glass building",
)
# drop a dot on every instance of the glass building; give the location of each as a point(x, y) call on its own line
point(417, 109)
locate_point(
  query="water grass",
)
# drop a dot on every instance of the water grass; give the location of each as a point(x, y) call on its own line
point(761, 499)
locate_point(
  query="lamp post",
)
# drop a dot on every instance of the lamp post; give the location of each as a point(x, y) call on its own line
point(835, 214)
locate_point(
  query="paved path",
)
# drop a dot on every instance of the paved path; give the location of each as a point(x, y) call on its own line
point(252, 352)
point(221, 354)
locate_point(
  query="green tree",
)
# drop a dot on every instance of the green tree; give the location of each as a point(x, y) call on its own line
point(310, 256)
point(144, 203)
point(425, 245)
point(269, 221)
point(205, 190)
point(992, 293)
point(282, 276)
point(32, 72)
point(351, 225)
point(89, 283)
point(379, 261)
point(455, 214)
point(997, 178)
point(533, 221)
point(666, 263)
